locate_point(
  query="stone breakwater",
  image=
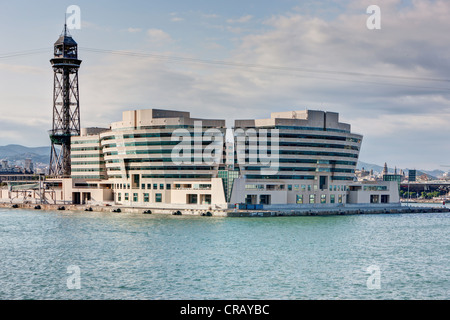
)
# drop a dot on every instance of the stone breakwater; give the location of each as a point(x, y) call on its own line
point(230, 212)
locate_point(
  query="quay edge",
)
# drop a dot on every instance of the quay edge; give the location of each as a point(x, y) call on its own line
point(231, 212)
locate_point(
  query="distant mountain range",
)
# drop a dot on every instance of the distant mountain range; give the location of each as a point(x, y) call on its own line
point(14, 152)
point(433, 174)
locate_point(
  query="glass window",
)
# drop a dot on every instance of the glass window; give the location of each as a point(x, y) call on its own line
point(309, 187)
point(296, 187)
point(126, 196)
point(161, 186)
point(168, 186)
point(299, 198)
point(149, 186)
point(312, 198)
point(303, 187)
point(146, 197)
point(315, 187)
point(158, 197)
point(143, 186)
point(135, 197)
point(155, 186)
point(289, 187)
point(340, 198)
point(323, 198)
point(119, 197)
point(332, 198)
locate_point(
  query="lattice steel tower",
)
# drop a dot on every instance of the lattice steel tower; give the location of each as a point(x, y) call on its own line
point(66, 103)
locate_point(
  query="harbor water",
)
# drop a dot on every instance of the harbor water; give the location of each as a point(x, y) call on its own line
point(94, 255)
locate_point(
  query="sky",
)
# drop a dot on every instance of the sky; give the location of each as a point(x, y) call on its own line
point(241, 60)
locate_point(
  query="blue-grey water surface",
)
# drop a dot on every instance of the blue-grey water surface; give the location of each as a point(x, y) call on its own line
point(133, 256)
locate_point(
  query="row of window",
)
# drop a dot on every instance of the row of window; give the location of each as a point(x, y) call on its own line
point(162, 186)
point(164, 127)
point(305, 169)
point(293, 177)
point(375, 188)
point(84, 141)
point(295, 187)
point(177, 176)
point(174, 167)
point(82, 156)
point(143, 135)
point(135, 197)
point(302, 128)
point(317, 137)
point(311, 161)
point(88, 170)
point(86, 149)
point(334, 187)
point(151, 143)
point(91, 177)
point(308, 153)
point(86, 163)
point(144, 186)
point(301, 199)
point(287, 135)
point(310, 145)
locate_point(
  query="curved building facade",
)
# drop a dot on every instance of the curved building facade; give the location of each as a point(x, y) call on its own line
point(138, 158)
point(317, 156)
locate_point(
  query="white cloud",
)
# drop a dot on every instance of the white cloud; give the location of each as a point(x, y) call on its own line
point(213, 46)
point(210, 16)
point(158, 36)
point(176, 19)
point(94, 26)
point(243, 19)
point(134, 30)
point(23, 69)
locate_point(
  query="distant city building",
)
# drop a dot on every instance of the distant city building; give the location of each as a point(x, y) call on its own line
point(412, 174)
point(385, 170)
point(28, 166)
point(361, 174)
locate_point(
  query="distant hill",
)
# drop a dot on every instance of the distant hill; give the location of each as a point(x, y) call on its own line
point(14, 152)
point(369, 166)
point(376, 168)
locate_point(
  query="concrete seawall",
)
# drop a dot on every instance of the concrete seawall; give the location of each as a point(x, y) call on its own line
point(231, 212)
point(334, 212)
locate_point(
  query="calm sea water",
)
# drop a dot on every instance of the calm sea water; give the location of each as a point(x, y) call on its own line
point(130, 256)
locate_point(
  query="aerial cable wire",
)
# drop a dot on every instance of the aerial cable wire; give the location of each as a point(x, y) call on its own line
point(293, 71)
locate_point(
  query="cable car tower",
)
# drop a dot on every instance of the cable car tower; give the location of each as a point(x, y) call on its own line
point(66, 103)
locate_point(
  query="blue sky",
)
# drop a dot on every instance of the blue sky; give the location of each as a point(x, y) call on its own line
point(312, 54)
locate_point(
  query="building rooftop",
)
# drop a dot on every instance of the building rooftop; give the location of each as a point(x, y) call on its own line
point(303, 118)
point(160, 117)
